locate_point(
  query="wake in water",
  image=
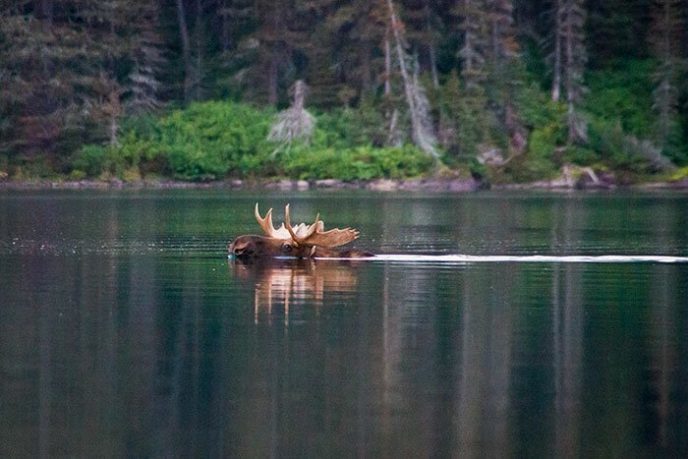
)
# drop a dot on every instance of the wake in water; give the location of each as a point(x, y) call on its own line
point(458, 258)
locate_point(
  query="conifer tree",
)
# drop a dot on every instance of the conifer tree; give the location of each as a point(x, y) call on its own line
point(556, 56)
point(666, 41)
point(357, 30)
point(143, 84)
point(574, 55)
point(60, 78)
point(473, 27)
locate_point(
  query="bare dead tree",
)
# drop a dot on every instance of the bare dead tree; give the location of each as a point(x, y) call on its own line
point(416, 100)
point(294, 123)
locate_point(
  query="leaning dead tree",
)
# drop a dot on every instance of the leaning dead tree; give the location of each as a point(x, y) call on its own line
point(422, 131)
point(294, 123)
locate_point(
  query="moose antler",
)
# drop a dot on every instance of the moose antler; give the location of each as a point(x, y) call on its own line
point(315, 234)
point(268, 228)
point(302, 234)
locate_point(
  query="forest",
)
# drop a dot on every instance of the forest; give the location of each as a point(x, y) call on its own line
point(202, 90)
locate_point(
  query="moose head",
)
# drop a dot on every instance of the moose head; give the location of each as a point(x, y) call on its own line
point(300, 241)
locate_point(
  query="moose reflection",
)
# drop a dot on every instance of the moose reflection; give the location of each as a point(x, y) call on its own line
point(300, 241)
point(287, 283)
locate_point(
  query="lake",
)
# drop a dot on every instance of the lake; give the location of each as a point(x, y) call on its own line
point(126, 331)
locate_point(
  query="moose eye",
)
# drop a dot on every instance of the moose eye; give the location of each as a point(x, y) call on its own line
point(286, 248)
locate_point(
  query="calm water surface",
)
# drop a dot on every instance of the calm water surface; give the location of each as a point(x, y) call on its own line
point(125, 331)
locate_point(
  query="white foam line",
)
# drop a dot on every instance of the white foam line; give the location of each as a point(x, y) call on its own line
point(458, 258)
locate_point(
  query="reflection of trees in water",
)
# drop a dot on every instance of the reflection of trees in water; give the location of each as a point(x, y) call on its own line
point(666, 323)
point(567, 331)
point(484, 362)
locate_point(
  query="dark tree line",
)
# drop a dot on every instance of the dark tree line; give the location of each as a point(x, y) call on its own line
point(453, 71)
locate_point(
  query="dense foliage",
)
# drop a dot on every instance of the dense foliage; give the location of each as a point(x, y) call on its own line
point(510, 90)
point(213, 140)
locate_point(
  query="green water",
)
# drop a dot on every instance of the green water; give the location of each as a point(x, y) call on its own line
point(125, 330)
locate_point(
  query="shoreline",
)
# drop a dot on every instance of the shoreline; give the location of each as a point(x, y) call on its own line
point(428, 184)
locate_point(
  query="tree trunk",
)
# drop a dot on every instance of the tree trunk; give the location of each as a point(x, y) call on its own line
point(556, 70)
point(224, 36)
point(198, 68)
point(186, 50)
point(388, 64)
point(431, 47)
point(272, 80)
point(45, 12)
point(570, 63)
point(468, 45)
point(569, 73)
point(366, 79)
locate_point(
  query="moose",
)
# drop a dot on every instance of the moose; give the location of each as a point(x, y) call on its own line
point(300, 241)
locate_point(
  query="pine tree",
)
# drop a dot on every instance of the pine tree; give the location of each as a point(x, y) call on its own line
point(503, 45)
point(143, 85)
point(423, 31)
point(273, 50)
point(61, 63)
point(574, 57)
point(666, 44)
point(191, 22)
point(556, 57)
point(467, 115)
point(474, 29)
point(357, 30)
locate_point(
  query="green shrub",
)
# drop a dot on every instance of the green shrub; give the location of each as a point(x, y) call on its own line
point(205, 141)
point(543, 142)
point(32, 168)
point(625, 152)
point(361, 163)
point(623, 92)
point(582, 156)
point(679, 174)
point(91, 160)
point(77, 174)
point(214, 139)
point(348, 127)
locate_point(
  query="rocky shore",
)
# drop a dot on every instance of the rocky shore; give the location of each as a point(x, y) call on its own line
point(427, 184)
point(568, 181)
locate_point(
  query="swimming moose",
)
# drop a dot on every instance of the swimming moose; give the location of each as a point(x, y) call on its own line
point(300, 241)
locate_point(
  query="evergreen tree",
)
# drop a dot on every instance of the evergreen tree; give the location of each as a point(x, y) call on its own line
point(666, 40)
point(423, 31)
point(61, 63)
point(143, 85)
point(619, 30)
point(574, 57)
point(474, 28)
point(357, 30)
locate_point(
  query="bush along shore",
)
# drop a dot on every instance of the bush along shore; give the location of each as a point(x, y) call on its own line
point(227, 144)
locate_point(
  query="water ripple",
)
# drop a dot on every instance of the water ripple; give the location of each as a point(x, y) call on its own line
point(459, 258)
